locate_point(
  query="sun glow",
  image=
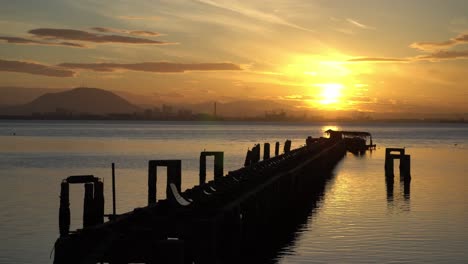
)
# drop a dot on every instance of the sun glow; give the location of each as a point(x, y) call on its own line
point(330, 94)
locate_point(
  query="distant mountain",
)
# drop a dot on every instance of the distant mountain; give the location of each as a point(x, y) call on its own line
point(78, 101)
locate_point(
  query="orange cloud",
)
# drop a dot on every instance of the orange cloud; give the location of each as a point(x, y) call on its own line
point(34, 68)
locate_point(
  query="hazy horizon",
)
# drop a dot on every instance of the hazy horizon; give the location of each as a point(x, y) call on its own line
point(391, 58)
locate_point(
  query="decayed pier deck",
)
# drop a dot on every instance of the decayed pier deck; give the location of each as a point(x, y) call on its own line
point(219, 221)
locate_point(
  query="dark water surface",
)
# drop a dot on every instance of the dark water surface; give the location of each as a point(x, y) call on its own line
point(356, 221)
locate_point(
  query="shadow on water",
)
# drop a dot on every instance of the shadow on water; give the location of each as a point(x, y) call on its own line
point(288, 226)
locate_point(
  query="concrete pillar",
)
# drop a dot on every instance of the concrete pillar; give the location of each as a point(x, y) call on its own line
point(277, 145)
point(88, 205)
point(64, 211)
point(266, 151)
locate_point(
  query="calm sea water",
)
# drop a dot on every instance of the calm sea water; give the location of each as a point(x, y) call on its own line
point(356, 221)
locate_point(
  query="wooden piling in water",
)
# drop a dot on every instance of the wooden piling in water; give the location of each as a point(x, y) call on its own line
point(405, 166)
point(277, 145)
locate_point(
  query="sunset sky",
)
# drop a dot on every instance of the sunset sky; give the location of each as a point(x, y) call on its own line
point(371, 56)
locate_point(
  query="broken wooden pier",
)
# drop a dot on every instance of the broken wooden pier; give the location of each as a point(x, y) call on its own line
point(219, 221)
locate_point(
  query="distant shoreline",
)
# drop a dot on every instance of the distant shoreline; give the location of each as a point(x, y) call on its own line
point(227, 120)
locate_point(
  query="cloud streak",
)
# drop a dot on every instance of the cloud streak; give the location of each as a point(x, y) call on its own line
point(80, 35)
point(25, 41)
point(445, 55)
point(157, 67)
point(432, 46)
point(153, 18)
point(34, 68)
point(357, 24)
point(377, 59)
point(124, 31)
point(252, 13)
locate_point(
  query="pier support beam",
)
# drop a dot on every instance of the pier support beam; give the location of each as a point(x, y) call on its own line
point(93, 202)
point(405, 162)
point(218, 164)
point(174, 177)
point(277, 145)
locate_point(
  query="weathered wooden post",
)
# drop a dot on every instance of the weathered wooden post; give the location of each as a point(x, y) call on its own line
point(174, 176)
point(202, 168)
point(277, 145)
point(389, 184)
point(257, 156)
point(248, 158)
point(218, 164)
point(99, 202)
point(152, 180)
point(64, 211)
point(287, 146)
point(218, 170)
point(388, 166)
point(114, 210)
point(88, 205)
point(266, 151)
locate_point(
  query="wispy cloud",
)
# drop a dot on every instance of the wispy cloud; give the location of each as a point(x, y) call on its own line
point(253, 13)
point(358, 24)
point(377, 59)
point(154, 18)
point(25, 41)
point(159, 67)
point(445, 55)
point(80, 35)
point(34, 68)
point(431, 46)
point(124, 31)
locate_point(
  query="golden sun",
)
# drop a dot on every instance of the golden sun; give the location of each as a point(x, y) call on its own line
point(330, 93)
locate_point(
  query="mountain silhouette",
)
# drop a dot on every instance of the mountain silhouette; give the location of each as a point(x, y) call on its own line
point(78, 100)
